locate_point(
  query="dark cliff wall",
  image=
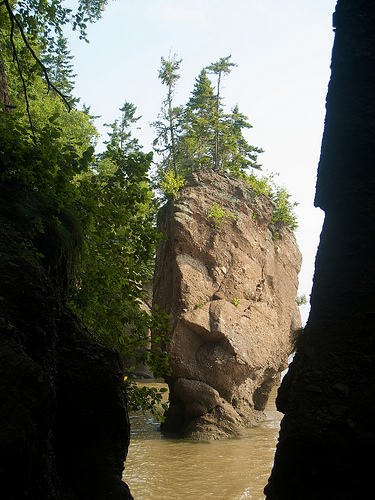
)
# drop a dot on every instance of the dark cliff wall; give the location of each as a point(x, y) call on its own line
point(64, 428)
point(327, 439)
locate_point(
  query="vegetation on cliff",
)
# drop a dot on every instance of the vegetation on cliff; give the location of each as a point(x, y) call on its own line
point(200, 135)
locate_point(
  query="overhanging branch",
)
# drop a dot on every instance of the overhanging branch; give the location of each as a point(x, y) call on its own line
point(14, 22)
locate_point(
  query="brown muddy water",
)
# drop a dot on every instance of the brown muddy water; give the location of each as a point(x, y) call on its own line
point(159, 468)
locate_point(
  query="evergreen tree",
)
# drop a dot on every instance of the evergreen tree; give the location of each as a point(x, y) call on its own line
point(236, 155)
point(200, 123)
point(168, 126)
point(220, 68)
point(121, 136)
point(57, 61)
point(200, 135)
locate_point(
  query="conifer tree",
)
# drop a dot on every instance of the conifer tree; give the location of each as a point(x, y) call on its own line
point(220, 68)
point(121, 135)
point(57, 61)
point(236, 155)
point(168, 126)
point(200, 135)
point(200, 124)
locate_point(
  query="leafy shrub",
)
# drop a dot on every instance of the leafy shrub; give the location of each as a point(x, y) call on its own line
point(283, 215)
point(219, 215)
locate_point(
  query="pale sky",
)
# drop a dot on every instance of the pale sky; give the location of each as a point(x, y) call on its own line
point(283, 51)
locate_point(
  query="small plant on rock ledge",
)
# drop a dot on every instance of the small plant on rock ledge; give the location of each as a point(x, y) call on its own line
point(199, 304)
point(236, 302)
point(219, 215)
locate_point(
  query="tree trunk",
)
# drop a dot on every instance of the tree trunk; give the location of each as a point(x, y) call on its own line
point(4, 94)
point(327, 440)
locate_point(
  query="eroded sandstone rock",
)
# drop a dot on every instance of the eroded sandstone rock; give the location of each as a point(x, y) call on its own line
point(230, 289)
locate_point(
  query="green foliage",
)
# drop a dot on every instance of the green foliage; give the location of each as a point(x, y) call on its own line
point(120, 241)
point(219, 215)
point(200, 122)
point(168, 125)
point(261, 185)
point(31, 27)
point(199, 304)
point(146, 399)
point(57, 61)
point(94, 217)
point(236, 155)
point(200, 135)
point(220, 68)
point(236, 302)
point(283, 214)
point(301, 300)
point(46, 18)
point(46, 168)
point(170, 183)
point(60, 195)
point(121, 137)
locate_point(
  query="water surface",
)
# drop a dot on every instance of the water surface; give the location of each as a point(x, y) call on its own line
point(160, 468)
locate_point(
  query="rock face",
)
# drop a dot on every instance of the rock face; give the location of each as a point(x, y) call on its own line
point(229, 286)
point(64, 428)
point(327, 437)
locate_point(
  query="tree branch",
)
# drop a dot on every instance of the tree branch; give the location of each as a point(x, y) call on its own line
point(14, 22)
point(15, 56)
point(31, 50)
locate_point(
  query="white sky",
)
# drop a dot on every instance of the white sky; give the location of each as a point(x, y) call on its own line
point(283, 51)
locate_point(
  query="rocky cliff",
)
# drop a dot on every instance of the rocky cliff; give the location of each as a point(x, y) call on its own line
point(229, 283)
point(326, 444)
point(64, 428)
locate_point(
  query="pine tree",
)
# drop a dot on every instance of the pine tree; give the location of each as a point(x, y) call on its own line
point(57, 60)
point(168, 126)
point(200, 123)
point(236, 154)
point(121, 136)
point(220, 68)
point(200, 135)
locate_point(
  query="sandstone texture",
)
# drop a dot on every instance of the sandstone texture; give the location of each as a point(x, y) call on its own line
point(64, 428)
point(229, 285)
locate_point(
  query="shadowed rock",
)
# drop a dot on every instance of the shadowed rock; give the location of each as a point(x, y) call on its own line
point(64, 428)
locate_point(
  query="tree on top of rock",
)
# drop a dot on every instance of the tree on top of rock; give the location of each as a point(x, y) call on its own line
point(236, 154)
point(200, 122)
point(168, 125)
point(220, 68)
point(200, 135)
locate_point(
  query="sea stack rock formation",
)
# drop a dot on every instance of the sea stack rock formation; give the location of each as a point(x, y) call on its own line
point(229, 283)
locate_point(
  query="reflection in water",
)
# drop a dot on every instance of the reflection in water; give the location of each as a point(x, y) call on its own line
point(159, 468)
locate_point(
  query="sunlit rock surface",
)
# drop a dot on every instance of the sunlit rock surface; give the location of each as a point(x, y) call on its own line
point(229, 285)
